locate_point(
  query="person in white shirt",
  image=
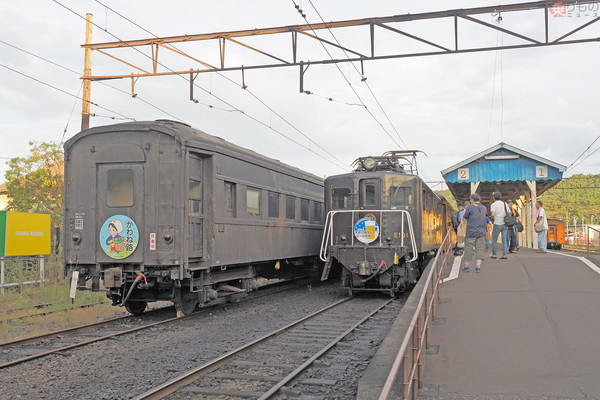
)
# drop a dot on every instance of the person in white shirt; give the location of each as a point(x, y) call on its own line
point(498, 210)
point(541, 225)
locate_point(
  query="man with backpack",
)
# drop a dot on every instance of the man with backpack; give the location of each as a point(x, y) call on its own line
point(456, 216)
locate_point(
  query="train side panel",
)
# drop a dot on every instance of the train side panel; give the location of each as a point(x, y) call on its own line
point(160, 211)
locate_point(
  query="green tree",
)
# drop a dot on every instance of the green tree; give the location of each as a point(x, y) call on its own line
point(577, 197)
point(35, 183)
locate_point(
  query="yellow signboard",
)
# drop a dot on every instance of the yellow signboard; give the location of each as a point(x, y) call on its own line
point(24, 234)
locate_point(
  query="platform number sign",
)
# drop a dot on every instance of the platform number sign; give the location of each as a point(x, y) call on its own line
point(463, 174)
point(541, 171)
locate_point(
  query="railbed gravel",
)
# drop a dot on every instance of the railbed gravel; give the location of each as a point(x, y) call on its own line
point(130, 365)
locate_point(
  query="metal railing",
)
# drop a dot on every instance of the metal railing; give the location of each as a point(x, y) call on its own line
point(3, 283)
point(588, 242)
point(590, 246)
point(410, 356)
point(329, 224)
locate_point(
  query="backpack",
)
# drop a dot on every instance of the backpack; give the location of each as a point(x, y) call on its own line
point(454, 219)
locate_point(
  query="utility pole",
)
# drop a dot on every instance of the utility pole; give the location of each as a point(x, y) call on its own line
point(87, 72)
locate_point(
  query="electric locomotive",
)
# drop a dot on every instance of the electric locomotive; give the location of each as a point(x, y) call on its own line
point(161, 211)
point(383, 223)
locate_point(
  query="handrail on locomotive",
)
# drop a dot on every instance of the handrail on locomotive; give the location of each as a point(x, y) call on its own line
point(329, 222)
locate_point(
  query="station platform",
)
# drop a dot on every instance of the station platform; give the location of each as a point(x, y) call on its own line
point(524, 328)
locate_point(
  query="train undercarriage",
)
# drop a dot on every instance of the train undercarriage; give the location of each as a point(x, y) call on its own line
point(127, 285)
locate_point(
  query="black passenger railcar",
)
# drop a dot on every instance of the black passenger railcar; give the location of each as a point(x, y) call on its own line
point(383, 223)
point(162, 211)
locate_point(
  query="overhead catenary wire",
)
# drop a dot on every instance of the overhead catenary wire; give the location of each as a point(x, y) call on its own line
point(346, 78)
point(70, 115)
point(497, 55)
point(230, 80)
point(587, 148)
point(364, 81)
point(65, 92)
point(79, 74)
point(232, 108)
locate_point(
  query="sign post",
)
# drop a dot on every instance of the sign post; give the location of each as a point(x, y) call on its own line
point(23, 234)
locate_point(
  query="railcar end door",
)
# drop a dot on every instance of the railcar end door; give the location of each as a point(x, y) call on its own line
point(120, 207)
point(196, 206)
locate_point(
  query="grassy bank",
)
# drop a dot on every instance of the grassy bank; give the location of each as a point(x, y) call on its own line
point(22, 307)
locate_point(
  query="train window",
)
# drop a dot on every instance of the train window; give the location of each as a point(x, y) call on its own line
point(304, 210)
point(340, 198)
point(368, 196)
point(317, 211)
point(119, 188)
point(229, 199)
point(195, 197)
point(273, 205)
point(253, 201)
point(290, 207)
point(400, 197)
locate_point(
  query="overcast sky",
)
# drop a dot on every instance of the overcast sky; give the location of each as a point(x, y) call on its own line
point(542, 100)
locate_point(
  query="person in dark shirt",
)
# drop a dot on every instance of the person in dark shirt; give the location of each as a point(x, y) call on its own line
point(474, 242)
point(513, 240)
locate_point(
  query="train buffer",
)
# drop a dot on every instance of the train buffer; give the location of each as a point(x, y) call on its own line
point(524, 328)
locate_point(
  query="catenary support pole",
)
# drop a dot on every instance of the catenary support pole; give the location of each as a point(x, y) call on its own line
point(87, 72)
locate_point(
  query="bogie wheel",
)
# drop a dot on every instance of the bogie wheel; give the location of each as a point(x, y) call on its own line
point(136, 307)
point(185, 303)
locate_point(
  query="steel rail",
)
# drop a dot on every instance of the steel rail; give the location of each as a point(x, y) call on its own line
point(115, 334)
point(418, 331)
point(54, 333)
point(178, 382)
point(45, 313)
point(292, 375)
point(85, 342)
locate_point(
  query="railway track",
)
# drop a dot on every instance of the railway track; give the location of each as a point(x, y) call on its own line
point(31, 348)
point(277, 363)
point(46, 313)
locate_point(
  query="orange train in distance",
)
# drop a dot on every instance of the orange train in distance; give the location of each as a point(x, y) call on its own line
point(556, 234)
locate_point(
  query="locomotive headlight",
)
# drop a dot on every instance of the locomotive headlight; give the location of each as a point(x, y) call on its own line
point(168, 238)
point(369, 163)
point(76, 237)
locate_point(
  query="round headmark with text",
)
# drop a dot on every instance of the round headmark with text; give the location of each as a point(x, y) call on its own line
point(119, 236)
point(366, 230)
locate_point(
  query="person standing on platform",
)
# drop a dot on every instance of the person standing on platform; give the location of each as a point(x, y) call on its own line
point(513, 241)
point(498, 210)
point(541, 227)
point(474, 242)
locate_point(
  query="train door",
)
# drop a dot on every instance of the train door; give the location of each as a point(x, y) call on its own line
point(120, 207)
point(196, 206)
point(340, 195)
point(369, 194)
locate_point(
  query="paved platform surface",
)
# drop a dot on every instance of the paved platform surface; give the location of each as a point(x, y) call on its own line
point(524, 328)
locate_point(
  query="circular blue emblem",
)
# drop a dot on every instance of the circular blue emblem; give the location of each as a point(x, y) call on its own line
point(119, 236)
point(366, 230)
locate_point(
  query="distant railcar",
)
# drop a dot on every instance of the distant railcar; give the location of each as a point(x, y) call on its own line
point(383, 223)
point(161, 211)
point(556, 234)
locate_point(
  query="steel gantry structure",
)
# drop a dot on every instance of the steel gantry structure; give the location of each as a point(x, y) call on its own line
point(394, 24)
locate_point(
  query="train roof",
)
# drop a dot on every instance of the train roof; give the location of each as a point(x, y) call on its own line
point(373, 174)
point(197, 139)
